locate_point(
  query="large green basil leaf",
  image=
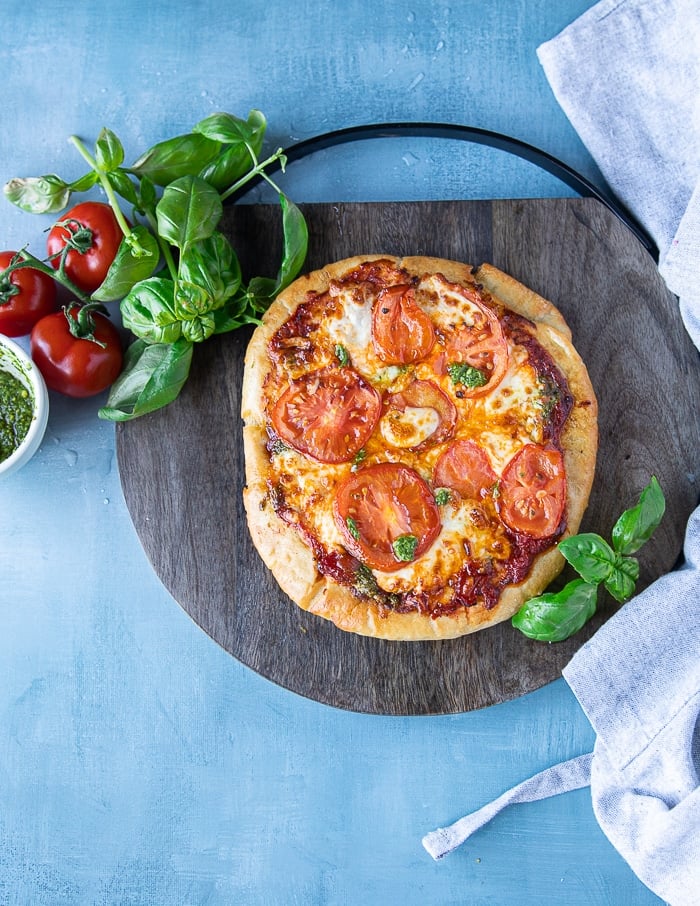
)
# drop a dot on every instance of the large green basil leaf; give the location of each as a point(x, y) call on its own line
point(556, 616)
point(134, 261)
point(184, 155)
point(243, 141)
point(236, 312)
point(590, 555)
point(230, 130)
point(193, 306)
point(188, 211)
point(153, 376)
point(148, 311)
point(296, 240)
point(233, 162)
point(636, 525)
point(122, 184)
point(622, 580)
point(213, 265)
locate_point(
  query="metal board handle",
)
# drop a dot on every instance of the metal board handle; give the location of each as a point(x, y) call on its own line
point(542, 159)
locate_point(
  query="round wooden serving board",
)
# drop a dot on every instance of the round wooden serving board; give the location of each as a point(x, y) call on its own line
point(182, 468)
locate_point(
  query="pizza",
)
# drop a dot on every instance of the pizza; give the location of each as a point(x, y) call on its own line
point(418, 436)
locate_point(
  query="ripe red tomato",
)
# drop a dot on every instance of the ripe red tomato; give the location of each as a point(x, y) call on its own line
point(465, 468)
point(87, 270)
point(420, 395)
point(532, 493)
point(72, 365)
point(327, 414)
point(26, 295)
point(479, 342)
point(381, 505)
point(401, 331)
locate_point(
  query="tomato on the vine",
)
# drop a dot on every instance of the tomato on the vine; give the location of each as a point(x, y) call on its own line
point(86, 269)
point(26, 295)
point(72, 364)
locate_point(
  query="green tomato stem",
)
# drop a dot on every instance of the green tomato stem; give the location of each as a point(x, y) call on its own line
point(105, 183)
point(57, 274)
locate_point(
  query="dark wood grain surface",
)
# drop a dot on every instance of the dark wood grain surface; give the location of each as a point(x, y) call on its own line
point(182, 468)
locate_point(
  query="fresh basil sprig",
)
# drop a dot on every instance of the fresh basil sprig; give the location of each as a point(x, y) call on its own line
point(553, 617)
point(176, 275)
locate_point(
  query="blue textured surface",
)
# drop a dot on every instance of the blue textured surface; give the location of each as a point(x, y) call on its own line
point(139, 763)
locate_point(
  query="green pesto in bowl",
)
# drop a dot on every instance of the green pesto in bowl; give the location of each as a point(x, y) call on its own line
point(16, 413)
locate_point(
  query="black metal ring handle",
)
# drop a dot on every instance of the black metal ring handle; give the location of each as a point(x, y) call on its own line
point(473, 134)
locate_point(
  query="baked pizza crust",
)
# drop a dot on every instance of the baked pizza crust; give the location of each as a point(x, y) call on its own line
point(291, 560)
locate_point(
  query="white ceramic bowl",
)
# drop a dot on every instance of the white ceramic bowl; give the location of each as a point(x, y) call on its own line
point(17, 362)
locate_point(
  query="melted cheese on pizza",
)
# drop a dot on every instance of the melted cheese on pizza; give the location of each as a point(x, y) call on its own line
point(335, 330)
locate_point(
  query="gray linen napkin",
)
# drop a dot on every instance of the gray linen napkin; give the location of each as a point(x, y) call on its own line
point(627, 74)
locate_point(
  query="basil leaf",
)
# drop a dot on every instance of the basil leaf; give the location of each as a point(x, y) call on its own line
point(153, 376)
point(193, 309)
point(230, 130)
point(296, 238)
point(590, 555)
point(555, 617)
point(188, 211)
point(184, 155)
point(122, 184)
point(622, 580)
point(86, 182)
point(128, 267)
point(296, 241)
point(236, 312)
point(243, 142)
point(38, 194)
point(635, 526)
point(109, 152)
point(213, 265)
point(233, 162)
point(147, 195)
point(148, 311)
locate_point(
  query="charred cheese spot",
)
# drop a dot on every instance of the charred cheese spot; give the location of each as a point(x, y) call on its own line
point(410, 427)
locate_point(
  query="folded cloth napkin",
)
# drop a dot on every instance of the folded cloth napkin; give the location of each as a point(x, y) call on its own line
point(638, 680)
point(627, 74)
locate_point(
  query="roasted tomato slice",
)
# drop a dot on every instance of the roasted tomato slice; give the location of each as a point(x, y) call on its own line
point(401, 331)
point(387, 515)
point(328, 414)
point(532, 493)
point(477, 343)
point(418, 417)
point(465, 467)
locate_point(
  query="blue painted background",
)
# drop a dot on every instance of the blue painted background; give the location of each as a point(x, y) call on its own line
point(139, 763)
